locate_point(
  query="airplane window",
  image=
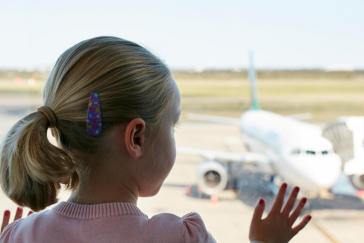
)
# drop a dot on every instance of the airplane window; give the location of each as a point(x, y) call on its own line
point(324, 152)
point(310, 152)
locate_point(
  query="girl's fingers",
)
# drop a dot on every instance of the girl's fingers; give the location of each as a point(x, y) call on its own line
point(301, 225)
point(6, 220)
point(293, 217)
point(290, 202)
point(258, 212)
point(18, 213)
point(279, 199)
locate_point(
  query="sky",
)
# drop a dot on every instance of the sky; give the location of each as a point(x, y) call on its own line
point(190, 34)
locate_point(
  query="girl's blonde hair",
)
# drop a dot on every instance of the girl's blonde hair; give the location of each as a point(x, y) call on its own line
point(131, 83)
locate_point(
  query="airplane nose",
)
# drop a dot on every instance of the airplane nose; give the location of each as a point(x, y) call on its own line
point(325, 171)
point(315, 173)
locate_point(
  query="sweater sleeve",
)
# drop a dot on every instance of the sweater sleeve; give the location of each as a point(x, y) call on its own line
point(195, 230)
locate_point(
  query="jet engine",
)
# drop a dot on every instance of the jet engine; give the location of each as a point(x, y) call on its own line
point(213, 177)
point(357, 181)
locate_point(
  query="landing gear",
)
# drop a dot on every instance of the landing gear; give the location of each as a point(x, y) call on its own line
point(272, 186)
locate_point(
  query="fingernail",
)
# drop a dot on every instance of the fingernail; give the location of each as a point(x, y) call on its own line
point(309, 217)
point(304, 200)
point(7, 213)
point(261, 201)
point(18, 210)
point(296, 189)
point(284, 185)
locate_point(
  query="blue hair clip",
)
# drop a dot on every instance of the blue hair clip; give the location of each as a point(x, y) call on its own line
point(94, 116)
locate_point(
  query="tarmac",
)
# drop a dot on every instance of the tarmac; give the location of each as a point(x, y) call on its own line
point(334, 220)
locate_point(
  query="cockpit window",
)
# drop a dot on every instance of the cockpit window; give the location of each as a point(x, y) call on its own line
point(310, 152)
point(296, 151)
point(324, 152)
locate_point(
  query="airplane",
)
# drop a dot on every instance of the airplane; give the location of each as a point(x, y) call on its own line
point(279, 146)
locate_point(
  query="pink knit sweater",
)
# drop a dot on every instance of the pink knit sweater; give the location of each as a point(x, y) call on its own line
point(108, 222)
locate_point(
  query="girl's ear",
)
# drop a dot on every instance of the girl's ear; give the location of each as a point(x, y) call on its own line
point(135, 137)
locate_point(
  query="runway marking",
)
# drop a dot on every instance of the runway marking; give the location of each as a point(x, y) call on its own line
point(324, 232)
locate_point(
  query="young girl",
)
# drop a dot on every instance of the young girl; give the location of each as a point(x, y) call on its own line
point(112, 107)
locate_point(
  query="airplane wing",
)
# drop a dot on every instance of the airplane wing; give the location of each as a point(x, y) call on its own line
point(224, 156)
point(236, 121)
point(301, 116)
point(254, 159)
point(214, 119)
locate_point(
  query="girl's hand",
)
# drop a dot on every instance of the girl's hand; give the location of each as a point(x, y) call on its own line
point(6, 217)
point(277, 227)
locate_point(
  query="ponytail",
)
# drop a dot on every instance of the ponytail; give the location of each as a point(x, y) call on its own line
point(31, 168)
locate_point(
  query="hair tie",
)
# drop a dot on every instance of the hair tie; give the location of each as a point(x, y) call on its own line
point(94, 116)
point(49, 114)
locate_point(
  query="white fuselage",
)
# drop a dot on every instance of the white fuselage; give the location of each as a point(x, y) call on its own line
point(297, 150)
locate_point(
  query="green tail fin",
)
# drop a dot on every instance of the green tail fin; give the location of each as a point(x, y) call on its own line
point(254, 102)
